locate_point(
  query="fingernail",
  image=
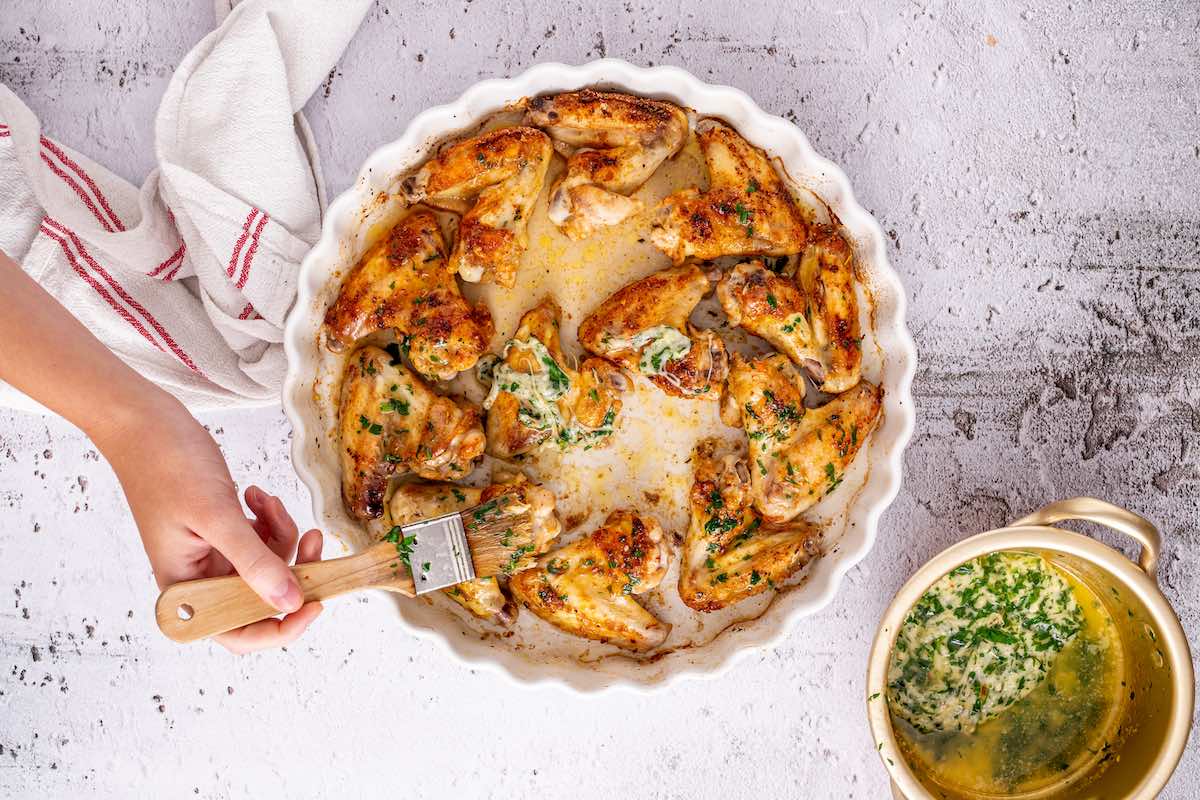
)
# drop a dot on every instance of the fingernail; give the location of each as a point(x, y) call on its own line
point(286, 596)
point(253, 494)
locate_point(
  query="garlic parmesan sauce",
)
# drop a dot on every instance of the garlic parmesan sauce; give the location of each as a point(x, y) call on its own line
point(1006, 678)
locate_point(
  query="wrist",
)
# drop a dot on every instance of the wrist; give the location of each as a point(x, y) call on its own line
point(123, 420)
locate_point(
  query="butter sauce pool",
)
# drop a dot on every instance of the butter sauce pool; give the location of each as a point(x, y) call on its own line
point(1052, 663)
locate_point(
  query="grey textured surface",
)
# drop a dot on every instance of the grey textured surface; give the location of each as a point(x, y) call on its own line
point(1037, 171)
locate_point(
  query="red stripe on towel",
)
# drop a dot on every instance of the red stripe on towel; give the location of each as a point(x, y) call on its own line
point(176, 256)
point(78, 170)
point(100, 290)
point(241, 242)
point(124, 295)
point(253, 249)
point(87, 201)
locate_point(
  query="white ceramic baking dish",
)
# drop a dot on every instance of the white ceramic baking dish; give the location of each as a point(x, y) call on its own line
point(355, 216)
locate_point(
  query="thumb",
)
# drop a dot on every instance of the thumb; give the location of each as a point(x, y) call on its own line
point(266, 573)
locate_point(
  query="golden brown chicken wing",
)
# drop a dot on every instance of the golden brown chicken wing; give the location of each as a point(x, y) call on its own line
point(483, 597)
point(747, 209)
point(827, 276)
point(537, 398)
point(587, 588)
point(391, 423)
point(772, 306)
point(621, 140)
point(729, 554)
point(402, 284)
point(797, 455)
point(809, 313)
point(503, 171)
point(644, 327)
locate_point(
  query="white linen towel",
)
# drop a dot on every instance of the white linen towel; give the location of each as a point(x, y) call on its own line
point(189, 278)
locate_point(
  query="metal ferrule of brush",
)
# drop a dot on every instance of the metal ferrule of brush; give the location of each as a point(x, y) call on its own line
point(440, 554)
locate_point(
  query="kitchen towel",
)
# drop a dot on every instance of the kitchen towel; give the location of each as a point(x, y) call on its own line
point(189, 278)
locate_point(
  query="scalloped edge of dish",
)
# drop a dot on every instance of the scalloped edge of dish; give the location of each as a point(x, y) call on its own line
point(782, 140)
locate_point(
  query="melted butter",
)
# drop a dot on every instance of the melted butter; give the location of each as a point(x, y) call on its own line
point(1061, 732)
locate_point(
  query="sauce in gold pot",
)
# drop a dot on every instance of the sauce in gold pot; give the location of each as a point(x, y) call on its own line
point(1008, 678)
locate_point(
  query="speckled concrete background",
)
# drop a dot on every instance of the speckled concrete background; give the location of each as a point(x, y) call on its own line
point(1037, 172)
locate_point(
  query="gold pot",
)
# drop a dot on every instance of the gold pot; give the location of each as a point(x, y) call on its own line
point(1159, 664)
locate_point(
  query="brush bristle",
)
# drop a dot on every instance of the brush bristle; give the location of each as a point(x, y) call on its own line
point(500, 533)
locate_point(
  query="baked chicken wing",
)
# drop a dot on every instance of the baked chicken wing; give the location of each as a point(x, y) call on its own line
point(747, 209)
point(621, 140)
point(483, 597)
point(502, 170)
point(536, 397)
point(391, 423)
point(827, 276)
point(588, 588)
point(772, 306)
point(729, 554)
point(402, 284)
point(810, 314)
point(644, 327)
point(797, 455)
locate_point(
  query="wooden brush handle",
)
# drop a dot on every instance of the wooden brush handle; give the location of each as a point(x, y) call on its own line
point(197, 609)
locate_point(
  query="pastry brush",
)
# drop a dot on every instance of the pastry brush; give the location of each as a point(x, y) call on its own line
point(491, 538)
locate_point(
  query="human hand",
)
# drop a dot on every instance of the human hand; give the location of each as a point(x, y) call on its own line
point(173, 473)
point(192, 525)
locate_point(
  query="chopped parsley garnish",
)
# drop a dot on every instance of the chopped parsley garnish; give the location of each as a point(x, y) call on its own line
point(558, 378)
point(404, 544)
point(514, 559)
point(834, 478)
point(399, 406)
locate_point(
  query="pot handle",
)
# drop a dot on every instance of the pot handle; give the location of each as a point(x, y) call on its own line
point(1118, 519)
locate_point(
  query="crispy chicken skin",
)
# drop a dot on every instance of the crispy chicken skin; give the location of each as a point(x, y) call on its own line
point(728, 553)
point(797, 455)
point(746, 211)
point(391, 423)
point(402, 284)
point(621, 140)
point(483, 597)
point(588, 588)
point(771, 306)
point(827, 276)
point(665, 298)
point(503, 171)
point(811, 315)
point(586, 411)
